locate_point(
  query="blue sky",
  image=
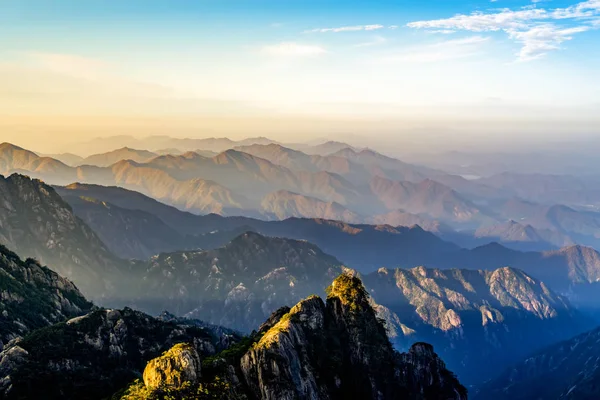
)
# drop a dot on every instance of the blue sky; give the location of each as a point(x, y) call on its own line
point(377, 59)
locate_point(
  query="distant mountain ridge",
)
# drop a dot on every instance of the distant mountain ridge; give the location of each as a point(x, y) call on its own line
point(112, 157)
point(369, 247)
point(235, 183)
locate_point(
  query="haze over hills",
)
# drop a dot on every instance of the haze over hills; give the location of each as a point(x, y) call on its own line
point(238, 280)
point(66, 158)
point(38, 223)
point(129, 233)
point(522, 236)
point(237, 285)
point(299, 200)
point(112, 157)
point(283, 204)
point(571, 270)
point(363, 182)
point(154, 143)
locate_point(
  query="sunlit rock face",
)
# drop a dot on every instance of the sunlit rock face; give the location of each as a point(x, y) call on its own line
point(178, 365)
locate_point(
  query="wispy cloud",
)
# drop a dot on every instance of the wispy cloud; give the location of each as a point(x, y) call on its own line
point(353, 28)
point(534, 28)
point(377, 40)
point(293, 49)
point(440, 51)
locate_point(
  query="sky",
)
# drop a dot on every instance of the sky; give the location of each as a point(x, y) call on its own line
point(301, 67)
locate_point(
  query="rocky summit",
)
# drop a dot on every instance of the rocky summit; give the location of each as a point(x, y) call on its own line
point(336, 349)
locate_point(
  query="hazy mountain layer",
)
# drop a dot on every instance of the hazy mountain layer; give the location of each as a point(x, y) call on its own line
point(36, 222)
point(129, 233)
point(364, 247)
point(283, 204)
point(112, 157)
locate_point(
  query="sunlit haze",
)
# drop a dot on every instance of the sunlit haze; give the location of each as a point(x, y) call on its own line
point(396, 70)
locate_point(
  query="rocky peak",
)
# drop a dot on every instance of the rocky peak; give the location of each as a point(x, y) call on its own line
point(340, 350)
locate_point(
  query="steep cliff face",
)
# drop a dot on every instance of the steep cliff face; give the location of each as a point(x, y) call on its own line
point(340, 350)
point(282, 364)
point(427, 374)
point(32, 296)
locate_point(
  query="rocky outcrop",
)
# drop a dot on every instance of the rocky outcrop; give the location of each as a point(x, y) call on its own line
point(32, 296)
point(178, 365)
point(92, 356)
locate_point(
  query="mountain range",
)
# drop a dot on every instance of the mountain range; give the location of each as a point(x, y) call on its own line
point(504, 314)
point(257, 179)
point(238, 279)
point(102, 353)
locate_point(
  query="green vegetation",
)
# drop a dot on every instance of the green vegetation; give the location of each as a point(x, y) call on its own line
point(349, 290)
point(213, 390)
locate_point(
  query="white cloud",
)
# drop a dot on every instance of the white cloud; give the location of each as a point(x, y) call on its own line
point(441, 51)
point(481, 22)
point(531, 27)
point(353, 28)
point(444, 31)
point(538, 41)
point(293, 49)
